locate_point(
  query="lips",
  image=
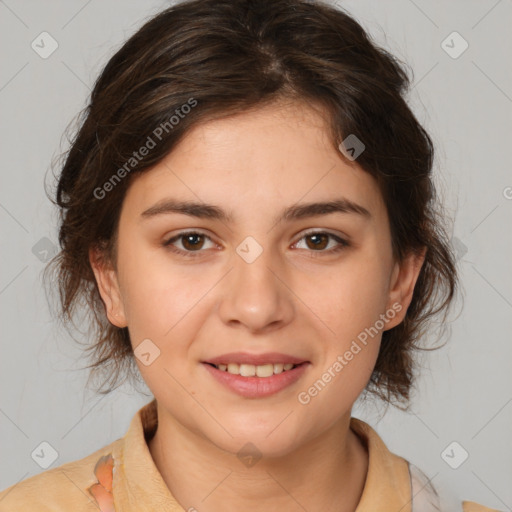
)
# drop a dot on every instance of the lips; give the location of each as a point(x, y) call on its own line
point(257, 387)
point(256, 375)
point(255, 359)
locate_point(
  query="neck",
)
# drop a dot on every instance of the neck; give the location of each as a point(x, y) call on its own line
point(330, 469)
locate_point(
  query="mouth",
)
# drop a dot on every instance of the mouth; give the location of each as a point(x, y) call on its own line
point(256, 376)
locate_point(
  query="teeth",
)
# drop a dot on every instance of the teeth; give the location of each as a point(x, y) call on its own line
point(265, 370)
point(251, 370)
point(234, 368)
point(278, 368)
point(247, 370)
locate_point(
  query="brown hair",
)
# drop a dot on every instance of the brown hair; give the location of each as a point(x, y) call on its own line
point(229, 56)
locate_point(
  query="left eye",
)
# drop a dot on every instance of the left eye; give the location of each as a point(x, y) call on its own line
point(319, 241)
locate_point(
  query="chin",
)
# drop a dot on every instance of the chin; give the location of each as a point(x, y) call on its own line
point(249, 448)
point(274, 435)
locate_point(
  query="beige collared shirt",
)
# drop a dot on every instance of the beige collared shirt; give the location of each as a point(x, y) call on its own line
point(122, 477)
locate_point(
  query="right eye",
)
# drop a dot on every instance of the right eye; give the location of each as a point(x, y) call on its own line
point(191, 241)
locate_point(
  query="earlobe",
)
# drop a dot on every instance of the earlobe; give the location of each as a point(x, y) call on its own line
point(108, 286)
point(403, 280)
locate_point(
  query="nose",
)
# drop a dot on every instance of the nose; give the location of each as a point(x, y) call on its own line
point(256, 295)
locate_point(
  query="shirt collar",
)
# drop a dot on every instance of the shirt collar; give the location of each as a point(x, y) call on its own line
point(388, 482)
point(387, 487)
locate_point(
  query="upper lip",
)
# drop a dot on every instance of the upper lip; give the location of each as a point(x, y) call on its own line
point(255, 359)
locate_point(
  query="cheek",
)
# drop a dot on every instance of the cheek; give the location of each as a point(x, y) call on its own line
point(349, 349)
point(352, 305)
point(156, 295)
point(355, 298)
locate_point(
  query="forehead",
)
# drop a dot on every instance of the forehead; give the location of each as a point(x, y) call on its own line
point(256, 161)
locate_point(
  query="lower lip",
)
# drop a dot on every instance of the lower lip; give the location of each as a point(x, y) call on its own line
point(257, 387)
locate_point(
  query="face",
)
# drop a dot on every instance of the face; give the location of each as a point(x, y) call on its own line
point(227, 256)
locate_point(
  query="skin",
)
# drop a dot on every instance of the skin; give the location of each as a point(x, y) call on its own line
point(294, 298)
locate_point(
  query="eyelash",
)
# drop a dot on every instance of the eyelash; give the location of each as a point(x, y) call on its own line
point(342, 244)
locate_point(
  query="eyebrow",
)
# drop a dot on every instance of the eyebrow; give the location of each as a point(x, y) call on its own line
point(294, 212)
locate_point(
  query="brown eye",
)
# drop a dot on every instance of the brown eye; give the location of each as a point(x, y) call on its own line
point(318, 241)
point(192, 243)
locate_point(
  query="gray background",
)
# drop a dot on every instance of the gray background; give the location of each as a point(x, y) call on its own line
point(464, 393)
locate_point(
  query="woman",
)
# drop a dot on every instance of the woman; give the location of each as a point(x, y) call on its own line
point(248, 212)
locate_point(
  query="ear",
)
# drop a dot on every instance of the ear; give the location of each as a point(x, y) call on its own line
point(402, 283)
point(108, 286)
